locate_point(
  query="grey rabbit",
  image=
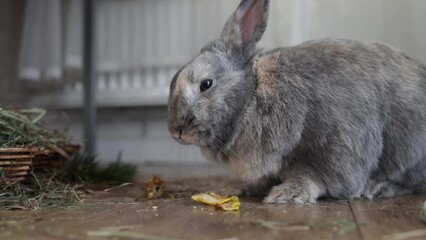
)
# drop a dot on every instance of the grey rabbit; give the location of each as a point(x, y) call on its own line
point(326, 118)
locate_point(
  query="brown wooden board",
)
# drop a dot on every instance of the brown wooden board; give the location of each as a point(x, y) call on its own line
point(126, 210)
point(388, 218)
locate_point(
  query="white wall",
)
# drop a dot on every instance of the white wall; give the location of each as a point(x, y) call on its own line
point(143, 42)
point(139, 132)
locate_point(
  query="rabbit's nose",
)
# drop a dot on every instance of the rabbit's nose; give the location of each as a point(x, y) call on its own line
point(176, 128)
point(177, 134)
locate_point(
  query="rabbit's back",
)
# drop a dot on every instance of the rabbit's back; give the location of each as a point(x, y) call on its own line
point(368, 97)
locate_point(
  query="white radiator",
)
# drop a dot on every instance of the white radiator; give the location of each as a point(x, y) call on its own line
point(142, 43)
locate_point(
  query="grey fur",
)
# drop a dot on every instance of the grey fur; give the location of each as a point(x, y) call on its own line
point(326, 118)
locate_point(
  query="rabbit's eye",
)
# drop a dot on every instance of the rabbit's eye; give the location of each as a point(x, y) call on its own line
point(205, 84)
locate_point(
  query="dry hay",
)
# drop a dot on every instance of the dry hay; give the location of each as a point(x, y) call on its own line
point(38, 165)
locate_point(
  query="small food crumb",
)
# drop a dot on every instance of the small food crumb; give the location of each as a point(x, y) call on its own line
point(155, 187)
point(224, 202)
point(155, 207)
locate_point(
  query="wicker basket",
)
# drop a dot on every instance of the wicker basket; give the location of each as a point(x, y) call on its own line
point(17, 163)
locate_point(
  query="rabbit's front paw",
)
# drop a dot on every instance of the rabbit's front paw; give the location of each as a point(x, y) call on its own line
point(295, 191)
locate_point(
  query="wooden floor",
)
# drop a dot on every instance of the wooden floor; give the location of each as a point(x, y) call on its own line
point(125, 213)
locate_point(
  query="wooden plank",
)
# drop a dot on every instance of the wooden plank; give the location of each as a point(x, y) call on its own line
point(181, 218)
point(16, 174)
point(12, 157)
point(13, 168)
point(20, 150)
point(383, 218)
point(126, 209)
point(184, 219)
point(7, 163)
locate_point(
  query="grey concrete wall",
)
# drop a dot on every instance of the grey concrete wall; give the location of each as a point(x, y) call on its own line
point(11, 13)
point(139, 132)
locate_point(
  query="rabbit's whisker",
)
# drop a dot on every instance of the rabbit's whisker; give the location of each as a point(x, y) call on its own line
point(223, 151)
point(233, 152)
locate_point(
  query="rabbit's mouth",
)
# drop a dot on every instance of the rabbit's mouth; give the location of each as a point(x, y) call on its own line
point(188, 137)
point(180, 138)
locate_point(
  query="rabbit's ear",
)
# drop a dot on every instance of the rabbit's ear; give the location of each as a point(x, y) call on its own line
point(247, 24)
